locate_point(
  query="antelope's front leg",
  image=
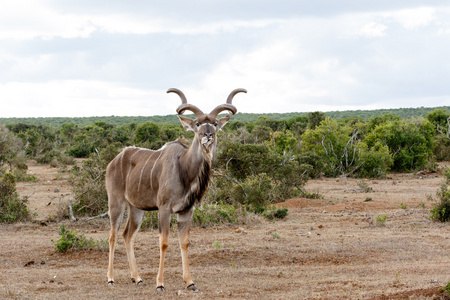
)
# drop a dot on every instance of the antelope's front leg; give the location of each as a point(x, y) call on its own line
point(164, 228)
point(184, 224)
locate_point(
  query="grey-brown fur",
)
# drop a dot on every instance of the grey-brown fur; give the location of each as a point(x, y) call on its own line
point(169, 180)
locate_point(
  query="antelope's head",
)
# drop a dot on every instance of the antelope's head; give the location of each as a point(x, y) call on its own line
point(205, 126)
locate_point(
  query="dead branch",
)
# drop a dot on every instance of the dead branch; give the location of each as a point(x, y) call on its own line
point(72, 218)
point(96, 217)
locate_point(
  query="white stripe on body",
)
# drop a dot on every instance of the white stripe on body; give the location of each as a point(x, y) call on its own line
point(151, 173)
point(142, 171)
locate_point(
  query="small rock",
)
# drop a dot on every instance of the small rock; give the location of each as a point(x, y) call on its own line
point(56, 190)
point(269, 232)
point(239, 230)
point(320, 226)
point(31, 262)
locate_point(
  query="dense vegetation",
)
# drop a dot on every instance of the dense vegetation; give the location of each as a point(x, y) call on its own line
point(259, 161)
point(403, 113)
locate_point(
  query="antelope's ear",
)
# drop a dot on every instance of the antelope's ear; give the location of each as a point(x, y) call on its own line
point(188, 124)
point(222, 121)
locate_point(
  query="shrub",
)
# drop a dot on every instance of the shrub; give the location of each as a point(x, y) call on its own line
point(72, 240)
point(55, 158)
point(213, 214)
point(150, 220)
point(441, 209)
point(147, 132)
point(446, 289)
point(410, 142)
point(273, 213)
point(253, 192)
point(88, 183)
point(12, 207)
point(257, 175)
point(341, 151)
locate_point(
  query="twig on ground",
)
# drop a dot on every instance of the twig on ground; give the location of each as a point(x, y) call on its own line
point(72, 218)
point(99, 216)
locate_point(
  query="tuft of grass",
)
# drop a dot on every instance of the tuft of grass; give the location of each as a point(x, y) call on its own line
point(446, 289)
point(403, 206)
point(364, 186)
point(74, 241)
point(381, 220)
point(217, 244)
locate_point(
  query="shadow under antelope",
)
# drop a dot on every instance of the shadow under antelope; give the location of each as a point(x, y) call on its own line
point(169, 180)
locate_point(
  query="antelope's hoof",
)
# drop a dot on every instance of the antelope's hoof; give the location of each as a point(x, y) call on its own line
point(192, 287)
point(141, 283)
point(160, 289)
point(111, 283)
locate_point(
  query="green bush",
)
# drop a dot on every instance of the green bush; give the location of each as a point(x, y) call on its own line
point(147, 132)
point(55, 158)
point(12, 207)
point(253, 192)
point(441, 209)
point(214, 214)
point(446, 289)
point(150, 220)
point(88, 183)
point(273, 213)
point(341, 152)
point(70, 240)
point(410, 142)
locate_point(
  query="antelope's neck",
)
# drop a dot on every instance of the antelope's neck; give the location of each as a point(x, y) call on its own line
point(195, 158)
point(194, 169)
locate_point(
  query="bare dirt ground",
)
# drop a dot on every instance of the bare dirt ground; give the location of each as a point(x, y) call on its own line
point(331, 248)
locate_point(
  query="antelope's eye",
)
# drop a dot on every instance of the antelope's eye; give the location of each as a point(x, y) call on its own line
point(215, 124)
point(198, 124)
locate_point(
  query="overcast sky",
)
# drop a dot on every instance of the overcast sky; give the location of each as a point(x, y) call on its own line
point(100, 58)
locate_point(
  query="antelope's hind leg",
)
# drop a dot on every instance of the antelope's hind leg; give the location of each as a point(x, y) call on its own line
point(164, 228)
point(116, 210)
point(134, 222)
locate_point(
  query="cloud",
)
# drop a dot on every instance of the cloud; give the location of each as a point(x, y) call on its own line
point(413, 18)
point(88, 58)
point(74, 98)
point(374, 29)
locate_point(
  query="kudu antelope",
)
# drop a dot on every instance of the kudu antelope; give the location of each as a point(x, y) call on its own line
point(169, 180)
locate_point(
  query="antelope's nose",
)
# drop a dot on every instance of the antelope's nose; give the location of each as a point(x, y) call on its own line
point(208, 135)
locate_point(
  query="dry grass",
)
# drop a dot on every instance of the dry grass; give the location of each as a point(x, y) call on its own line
point(326, 249)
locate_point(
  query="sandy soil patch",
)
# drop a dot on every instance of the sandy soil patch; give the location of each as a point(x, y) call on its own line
point(330, 248)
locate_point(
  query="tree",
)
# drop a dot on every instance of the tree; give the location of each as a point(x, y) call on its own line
point(343, 153)
point(441, 121)
point(410, 142)
point(315, 118)
point(147, 132)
